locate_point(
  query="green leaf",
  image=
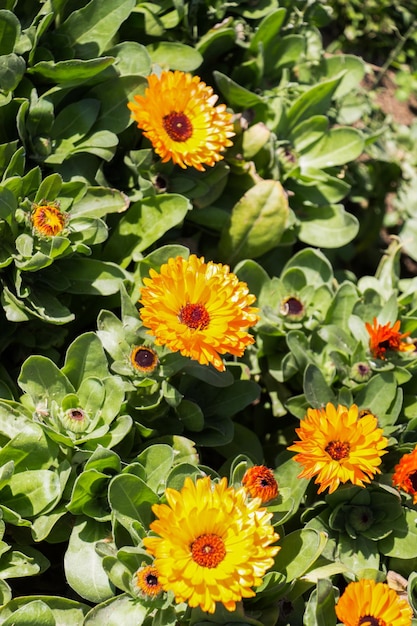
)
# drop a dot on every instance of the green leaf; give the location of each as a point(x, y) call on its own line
point(317, 391)
point(87, 493)
point(286, 51)
point(26, 561)
point(91, 276)
point(353, 68)
point(175, 56)
point(257, 224)
point(29, 449)
point(133, 59)
point(327, 226)
point(236, 95)
point(320, 607)
point(49, 188)
point(120, 610)
point(131, 499)
point(191, 415)
point(308, 132)
point(114, 94)
point(12, 69)
point(358, 555)
point(337, 147)
point(90, 29)
point(71, 70)
point(342, 305)
point(299, 551)
point(228, 401)
point(85, 357)
point(157, 460)
point(43, 381)
point(143, 224)
point(83, 567)
point(9, 32)
point(75, 120)
point(99, 202)
point(35, 612)
point(314, 101)
point(32, 492)
point(66, 612)
point(266, 34)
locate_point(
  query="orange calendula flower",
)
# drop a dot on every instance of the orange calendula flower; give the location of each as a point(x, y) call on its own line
point(48, 220)
point(147, 582)
point(337, 446)
point(213, 545)
point(177, 114)
point(199, 309)
point(405, 474)
point(144, 359)
point(367, 603)
point(386, 337)
point(260, 482)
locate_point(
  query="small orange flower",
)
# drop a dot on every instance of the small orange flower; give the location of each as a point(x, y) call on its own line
point(48, 220)
point(337, 446)
point(384, 337)
point(260, 482)
point(144, 359)
point(178, 116)
point(147, 581)
point(405, 474)
point(367, 603)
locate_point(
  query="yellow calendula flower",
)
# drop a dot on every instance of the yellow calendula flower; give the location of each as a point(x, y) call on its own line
point(213, 544)
point(367, 603)
point(47, 219)
point(199, 309)
point(178, 116)
point(337, 445)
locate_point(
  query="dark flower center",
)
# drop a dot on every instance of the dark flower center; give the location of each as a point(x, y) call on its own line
point(151, 580)
point(76, 414)
point(370, 620)
point(361, 518)
point(178, 126)
point(194, 316)
point(338, 449)
point(292, 307)
point(413, 480)
point(144, 359)
point(208, 550)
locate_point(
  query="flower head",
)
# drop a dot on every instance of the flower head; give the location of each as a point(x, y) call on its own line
point(367, 603)
point(213, 545)
point(384, 337)
point(177, 114)
point(405, 474)
point(47, 219)
point(292, 308)
point(147, 581)
point(143, 359)
point(75, 420)
point(260, 482)
point(337, 446)
point(199, 309)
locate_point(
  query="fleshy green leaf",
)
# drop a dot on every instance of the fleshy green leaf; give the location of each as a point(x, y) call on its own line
point(257, 223)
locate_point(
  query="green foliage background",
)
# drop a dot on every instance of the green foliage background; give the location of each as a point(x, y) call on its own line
point(297, 208)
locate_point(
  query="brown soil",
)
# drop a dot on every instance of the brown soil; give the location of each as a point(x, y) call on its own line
point(401, 112)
